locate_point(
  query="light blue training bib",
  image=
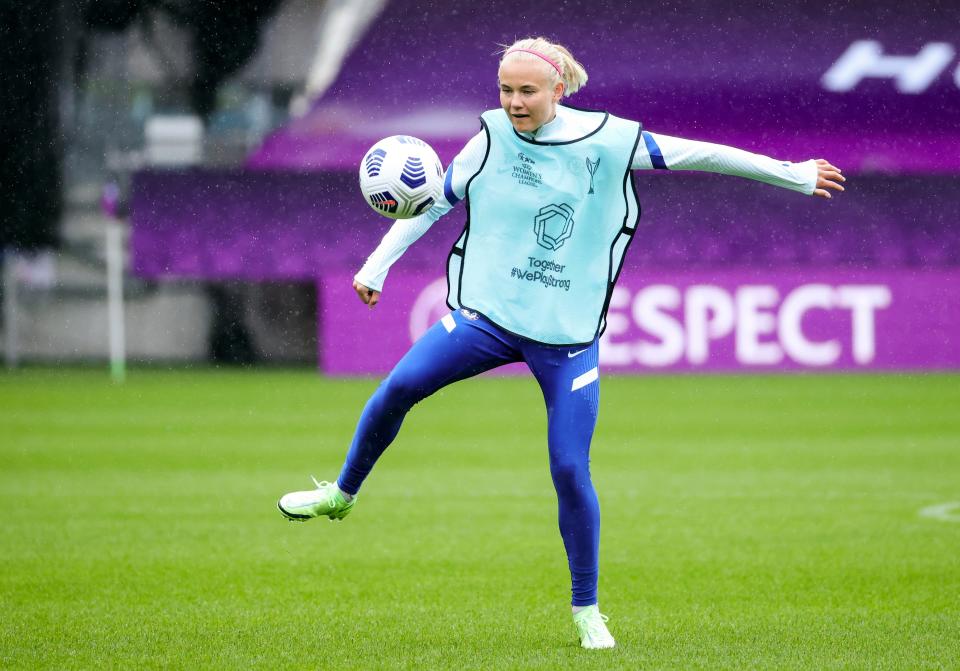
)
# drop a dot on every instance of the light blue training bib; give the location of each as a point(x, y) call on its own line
point(548, 225)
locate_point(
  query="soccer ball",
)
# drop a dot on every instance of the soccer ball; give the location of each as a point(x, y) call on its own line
point(401, 177)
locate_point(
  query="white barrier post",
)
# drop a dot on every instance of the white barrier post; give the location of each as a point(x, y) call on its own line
point(115, 301)
point(10, 259)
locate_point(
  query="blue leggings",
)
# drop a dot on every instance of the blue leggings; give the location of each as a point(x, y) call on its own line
point(462, 345)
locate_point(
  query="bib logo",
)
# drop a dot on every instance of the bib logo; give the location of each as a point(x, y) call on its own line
point(524, 171)
point(553, 225)
point(592, 169)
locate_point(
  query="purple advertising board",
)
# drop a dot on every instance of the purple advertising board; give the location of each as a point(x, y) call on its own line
point(267, 225)
point(732, 319)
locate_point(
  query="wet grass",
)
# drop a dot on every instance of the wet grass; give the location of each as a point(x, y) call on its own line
point(748, 522)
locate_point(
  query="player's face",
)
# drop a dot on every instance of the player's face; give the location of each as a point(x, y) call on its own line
point(526, 94)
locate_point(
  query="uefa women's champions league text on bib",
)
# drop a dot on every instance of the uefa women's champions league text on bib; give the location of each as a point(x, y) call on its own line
point(547, 230)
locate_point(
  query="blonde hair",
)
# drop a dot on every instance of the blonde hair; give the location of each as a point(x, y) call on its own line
point(571, 73)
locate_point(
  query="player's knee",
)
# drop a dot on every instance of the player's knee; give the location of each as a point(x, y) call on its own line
point(569, 473)
point(402, 389)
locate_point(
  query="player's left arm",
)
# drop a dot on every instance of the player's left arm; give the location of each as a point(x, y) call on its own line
point(816, 177)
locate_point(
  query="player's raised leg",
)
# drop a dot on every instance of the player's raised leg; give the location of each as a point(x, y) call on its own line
point(569, 378)
point(455, 348)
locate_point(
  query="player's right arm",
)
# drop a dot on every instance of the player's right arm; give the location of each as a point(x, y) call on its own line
point(368, 282)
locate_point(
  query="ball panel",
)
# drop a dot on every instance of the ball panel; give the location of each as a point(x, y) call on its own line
point(384, 202)
point(373, 161)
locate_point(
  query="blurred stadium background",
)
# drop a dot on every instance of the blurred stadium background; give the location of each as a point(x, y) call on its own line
point(179, 186)
point(100, 91)
point(224, 141)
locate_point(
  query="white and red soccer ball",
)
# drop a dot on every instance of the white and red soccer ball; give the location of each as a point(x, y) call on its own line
point(401, 177)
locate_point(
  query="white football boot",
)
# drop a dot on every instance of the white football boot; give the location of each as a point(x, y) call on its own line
point(592, 627)
point(325, 501)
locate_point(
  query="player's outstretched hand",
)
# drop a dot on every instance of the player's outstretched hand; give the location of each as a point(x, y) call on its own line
point(369, 296)
point(828, 177)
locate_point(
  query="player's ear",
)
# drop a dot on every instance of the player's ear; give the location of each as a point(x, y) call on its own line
point(558, 92)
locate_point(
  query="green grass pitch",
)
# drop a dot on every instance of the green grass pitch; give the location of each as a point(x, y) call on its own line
point(767, 522)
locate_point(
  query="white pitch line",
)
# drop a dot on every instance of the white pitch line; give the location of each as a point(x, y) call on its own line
point(947, 512)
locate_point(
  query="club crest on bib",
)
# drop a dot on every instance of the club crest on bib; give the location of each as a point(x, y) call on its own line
point(592, 169)
point(553, 225)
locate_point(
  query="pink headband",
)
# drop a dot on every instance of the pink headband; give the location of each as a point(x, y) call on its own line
point(539, 55)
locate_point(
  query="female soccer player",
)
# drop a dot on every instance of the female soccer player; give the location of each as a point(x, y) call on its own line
point(551, 213)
